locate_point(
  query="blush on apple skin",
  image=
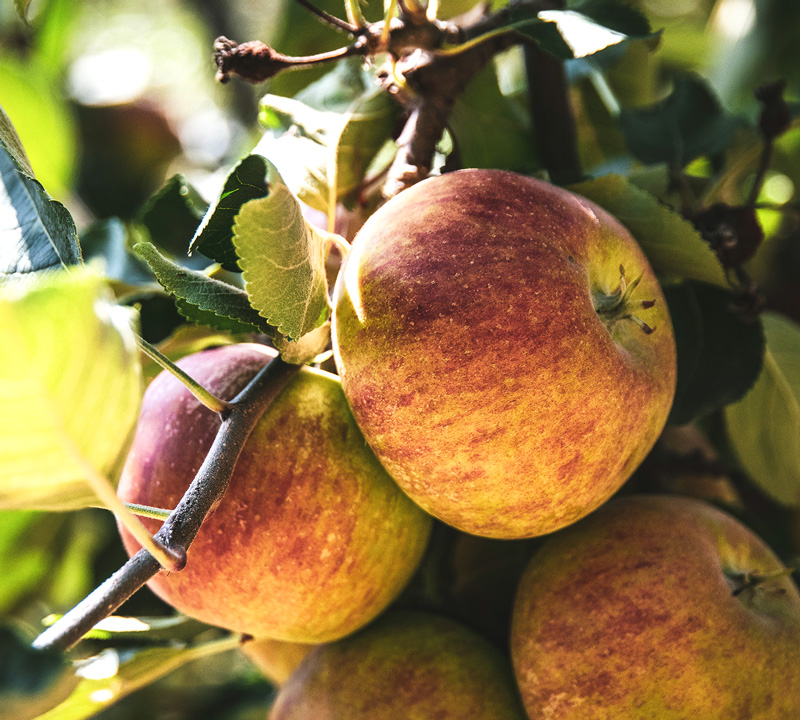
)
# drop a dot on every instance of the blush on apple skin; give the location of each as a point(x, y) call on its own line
point(312, 538)
point(631, 615)
point(476, 364)
point(408, 665)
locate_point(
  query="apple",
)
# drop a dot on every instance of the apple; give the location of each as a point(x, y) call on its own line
point(657, 607)
point(312, 538)
point(407, 664)
point(505, 349)
point(276, 659)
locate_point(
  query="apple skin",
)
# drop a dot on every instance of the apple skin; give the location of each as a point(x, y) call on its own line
point(631, 614)
point(407, 664)
point(312, 538)
point(481, 374)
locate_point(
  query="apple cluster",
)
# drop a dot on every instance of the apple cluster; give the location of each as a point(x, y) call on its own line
point(505, 362)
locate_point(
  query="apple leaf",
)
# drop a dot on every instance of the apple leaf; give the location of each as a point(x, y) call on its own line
point(586, 27)
point(107, 239)
point(113, 674)
point(214, 238)
point(327, 136)
point(173, 215)
point(31, 681)
point(489, 129)
point(671, 243)
point(689, 123)
point(13, 145)
point(283, 261)
point(71, 385)
point(203, 299)
point(720, 355)
point(38, 232)
point(764, 427)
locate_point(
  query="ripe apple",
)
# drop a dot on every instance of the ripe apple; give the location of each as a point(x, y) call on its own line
point(657, 607)
point(312, 538)
point(407, 664)
point(505, 348)
point(276, 659)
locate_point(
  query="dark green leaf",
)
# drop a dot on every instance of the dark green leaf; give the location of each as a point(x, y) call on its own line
point(108, 239)
point(37, 232)
point(172, 216)
point(490, 130)
point(31, 681)
point(214, 238)
point(720, 355)
point(764, 427)
point(689, 123)
point(203, 299)
point(10, 140)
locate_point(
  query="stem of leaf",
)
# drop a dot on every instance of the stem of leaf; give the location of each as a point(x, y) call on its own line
point(354, 14)
point(166, 557)
point(211, 401)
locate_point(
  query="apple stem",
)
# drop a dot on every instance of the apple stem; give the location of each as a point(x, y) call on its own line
point(211, 401)
point(752, 579)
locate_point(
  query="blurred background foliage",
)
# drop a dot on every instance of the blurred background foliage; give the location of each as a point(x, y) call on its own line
point(112, 97)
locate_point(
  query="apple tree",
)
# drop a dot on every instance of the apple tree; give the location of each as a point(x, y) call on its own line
point(167, 197)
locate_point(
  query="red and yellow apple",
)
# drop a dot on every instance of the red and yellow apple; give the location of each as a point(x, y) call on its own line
point(657, 607)
point(505, 348)
point(312, 538)
point(407, 664)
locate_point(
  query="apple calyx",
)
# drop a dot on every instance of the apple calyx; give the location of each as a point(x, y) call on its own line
point(620, 305)
point(755, 580)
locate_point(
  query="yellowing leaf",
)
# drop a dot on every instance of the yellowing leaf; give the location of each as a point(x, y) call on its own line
point(764, 427)
point(70, 384)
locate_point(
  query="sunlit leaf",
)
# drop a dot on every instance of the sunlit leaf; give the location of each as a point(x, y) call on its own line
point(671, 243)
point(203, 299)
point(720, 354)
point(70, 382)
point(113, 674)
point(283, 260)
point(764, 427)
point(36, 233)
point(327, 136)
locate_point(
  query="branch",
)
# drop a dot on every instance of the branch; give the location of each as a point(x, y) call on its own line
point(255, 62)
point(180, 529)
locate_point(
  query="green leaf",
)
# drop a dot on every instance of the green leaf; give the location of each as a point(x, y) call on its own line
point(689, 123)
point(283, 261)
point(214, 238)
point(673, 246)
point(584, 29)
point(172, 216)
point(107, 240)
point(113, 674)
point(203, 299)
point(331, 143)
point(71, 384)
point(31, 681)
point(9, 139)
point(764, 427)
point(720, 355)
point(491, 130)
point(37, 233)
